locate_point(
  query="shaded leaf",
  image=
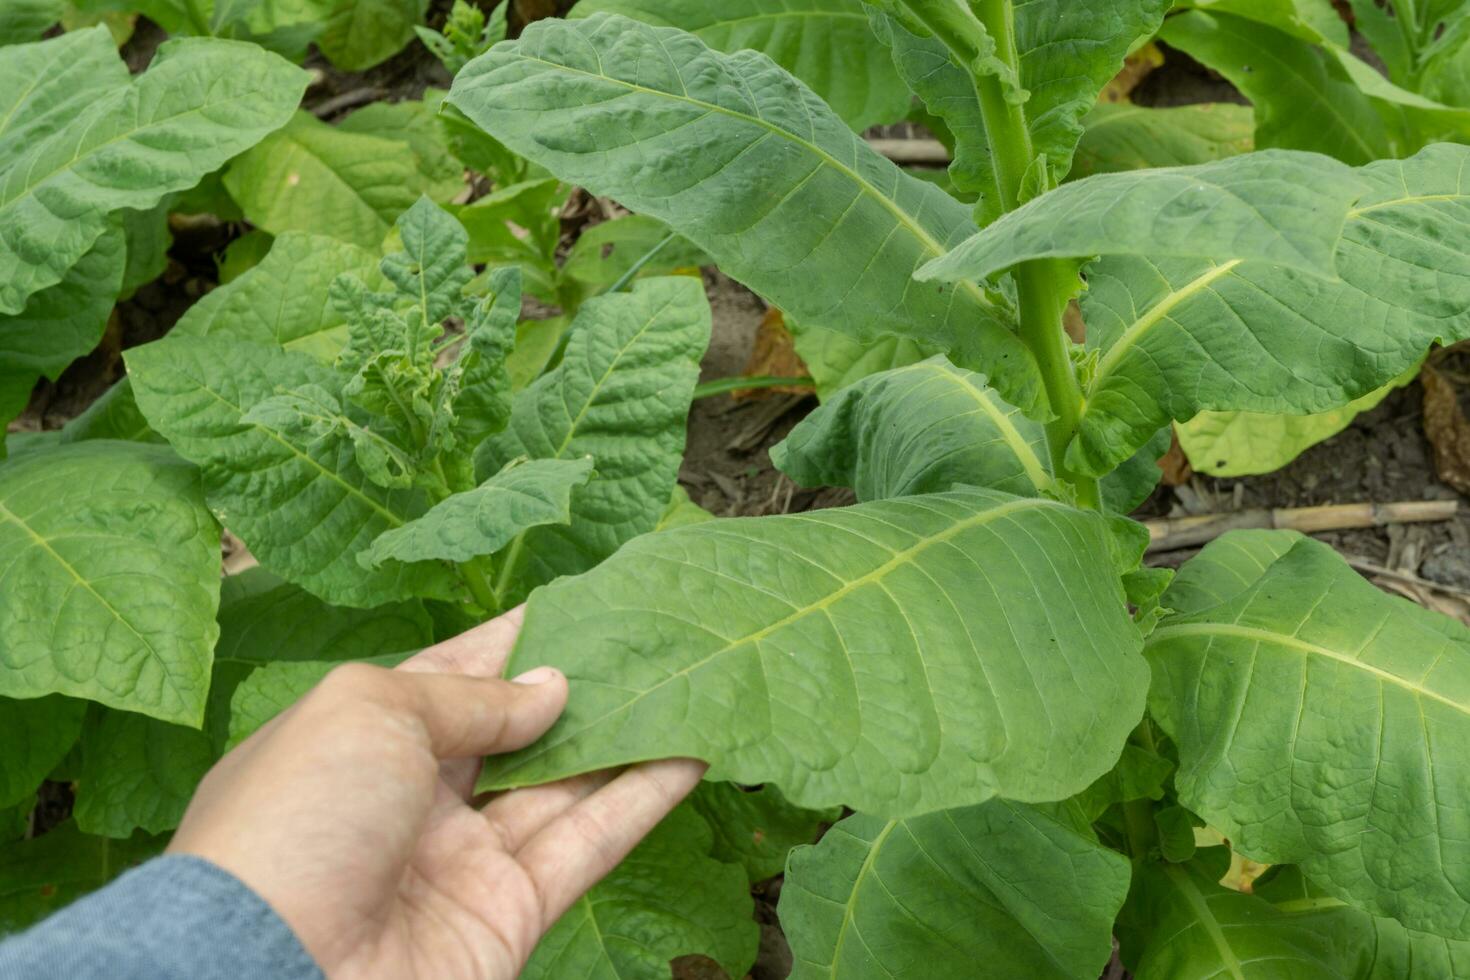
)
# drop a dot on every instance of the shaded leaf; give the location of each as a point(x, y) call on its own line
point(1000, 884)
point(41, 875)
point(756, 828)
point(1132, 137)
point(37, 734)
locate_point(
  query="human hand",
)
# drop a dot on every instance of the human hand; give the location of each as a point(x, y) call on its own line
point(351, 814)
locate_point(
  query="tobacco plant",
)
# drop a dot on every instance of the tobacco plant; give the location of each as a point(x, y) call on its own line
point(1046, 744)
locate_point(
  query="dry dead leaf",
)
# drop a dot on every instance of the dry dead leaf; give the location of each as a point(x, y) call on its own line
point(1447, 428)
point(1135, 69)
point(1175, 464)
point(773, 356)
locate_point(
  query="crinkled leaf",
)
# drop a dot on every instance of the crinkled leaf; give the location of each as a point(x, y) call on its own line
point(620, 395)
point(782, 195)
point(37, 734)
point(484, 520)
point(756, 828)
point(201, 102)
point(483, 403)
point(304, 507)
point(313, 177)
point(1280, 207)
point(430, 268)
point(284, 300)
point(1319, 721)
point(666, 899)
point(1000, 884)
point(1067, 51)
point(1121, 137)
point(41, 875)
point(895, 656)
point(1176, 336)
point(825, 43)
point(112, 579)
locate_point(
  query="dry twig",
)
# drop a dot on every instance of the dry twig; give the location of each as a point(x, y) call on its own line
point(1174, 533)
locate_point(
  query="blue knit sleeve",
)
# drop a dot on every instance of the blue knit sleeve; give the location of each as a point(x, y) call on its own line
point(174, 918)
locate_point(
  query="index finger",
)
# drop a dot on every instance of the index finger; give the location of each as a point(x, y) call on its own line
point(478, 652)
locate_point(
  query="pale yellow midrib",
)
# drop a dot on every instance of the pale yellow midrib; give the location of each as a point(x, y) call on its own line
point(1207, 920)
point(1258, 635)
point(898, 560)
point(1035, 472)
point(857, 883)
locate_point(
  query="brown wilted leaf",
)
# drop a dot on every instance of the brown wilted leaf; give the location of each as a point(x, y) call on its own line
point(773, 356)
point(1135, 69)
point(1447, 429)
point(1175, 464)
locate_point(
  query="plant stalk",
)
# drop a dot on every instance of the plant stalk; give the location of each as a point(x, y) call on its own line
point(1043, 289)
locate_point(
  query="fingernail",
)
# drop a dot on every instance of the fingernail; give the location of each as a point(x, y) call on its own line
point(538, 676)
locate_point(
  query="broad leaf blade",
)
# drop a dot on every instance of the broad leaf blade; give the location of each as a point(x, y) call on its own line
point(41, 875)
point(782, 195)
point(37, 734)
point(283, 300)
point(1002, 884)
point(44, 85)
point(896, 656)
point(312, 177)
point(756, 828)
point(302, 505)
point(1320, 722)
point(200, 103)
point(483, 520)
point(664, 900)
point(825, 43)
point(113, 581)
point(1178, 336)
point(1284, 208)
point(620, 395)
point(1132, 137)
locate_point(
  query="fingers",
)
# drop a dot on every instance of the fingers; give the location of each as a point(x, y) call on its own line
point(516, 816)
point(583, 844)
point(460, 717)
point(480, 652)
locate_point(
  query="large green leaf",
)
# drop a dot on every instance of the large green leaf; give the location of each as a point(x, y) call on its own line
point(897, 656)
point(620, 395)
point(1314, 96)
point(1280, 207)
point(1000, 884)
point(41, 875)
point(1180, 923)
point(825, 43)
point(1175, 337)
point(115, 415)
point(743, 160)
point(37, 734)
point(756, 828)
point(138, 772)
point(283, 300)
point(917, 429)
point(931, 426)
point(201, 102)
point(1320, 722)
point(484, 520)
point(61, 322)
point(112, 579)
point(44, 86)
point(302, 504)
point(837, 360)
point(1310, 20)
point(313, 177)
point(27, 20)
point(666, 899)
point(359, 34)
point(1066, 50)
point(1131, 137)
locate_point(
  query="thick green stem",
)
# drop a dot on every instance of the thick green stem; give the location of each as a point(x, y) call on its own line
point(1043, 286)
point(479, 585)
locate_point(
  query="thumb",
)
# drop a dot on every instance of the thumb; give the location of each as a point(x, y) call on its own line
point(459, 716)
